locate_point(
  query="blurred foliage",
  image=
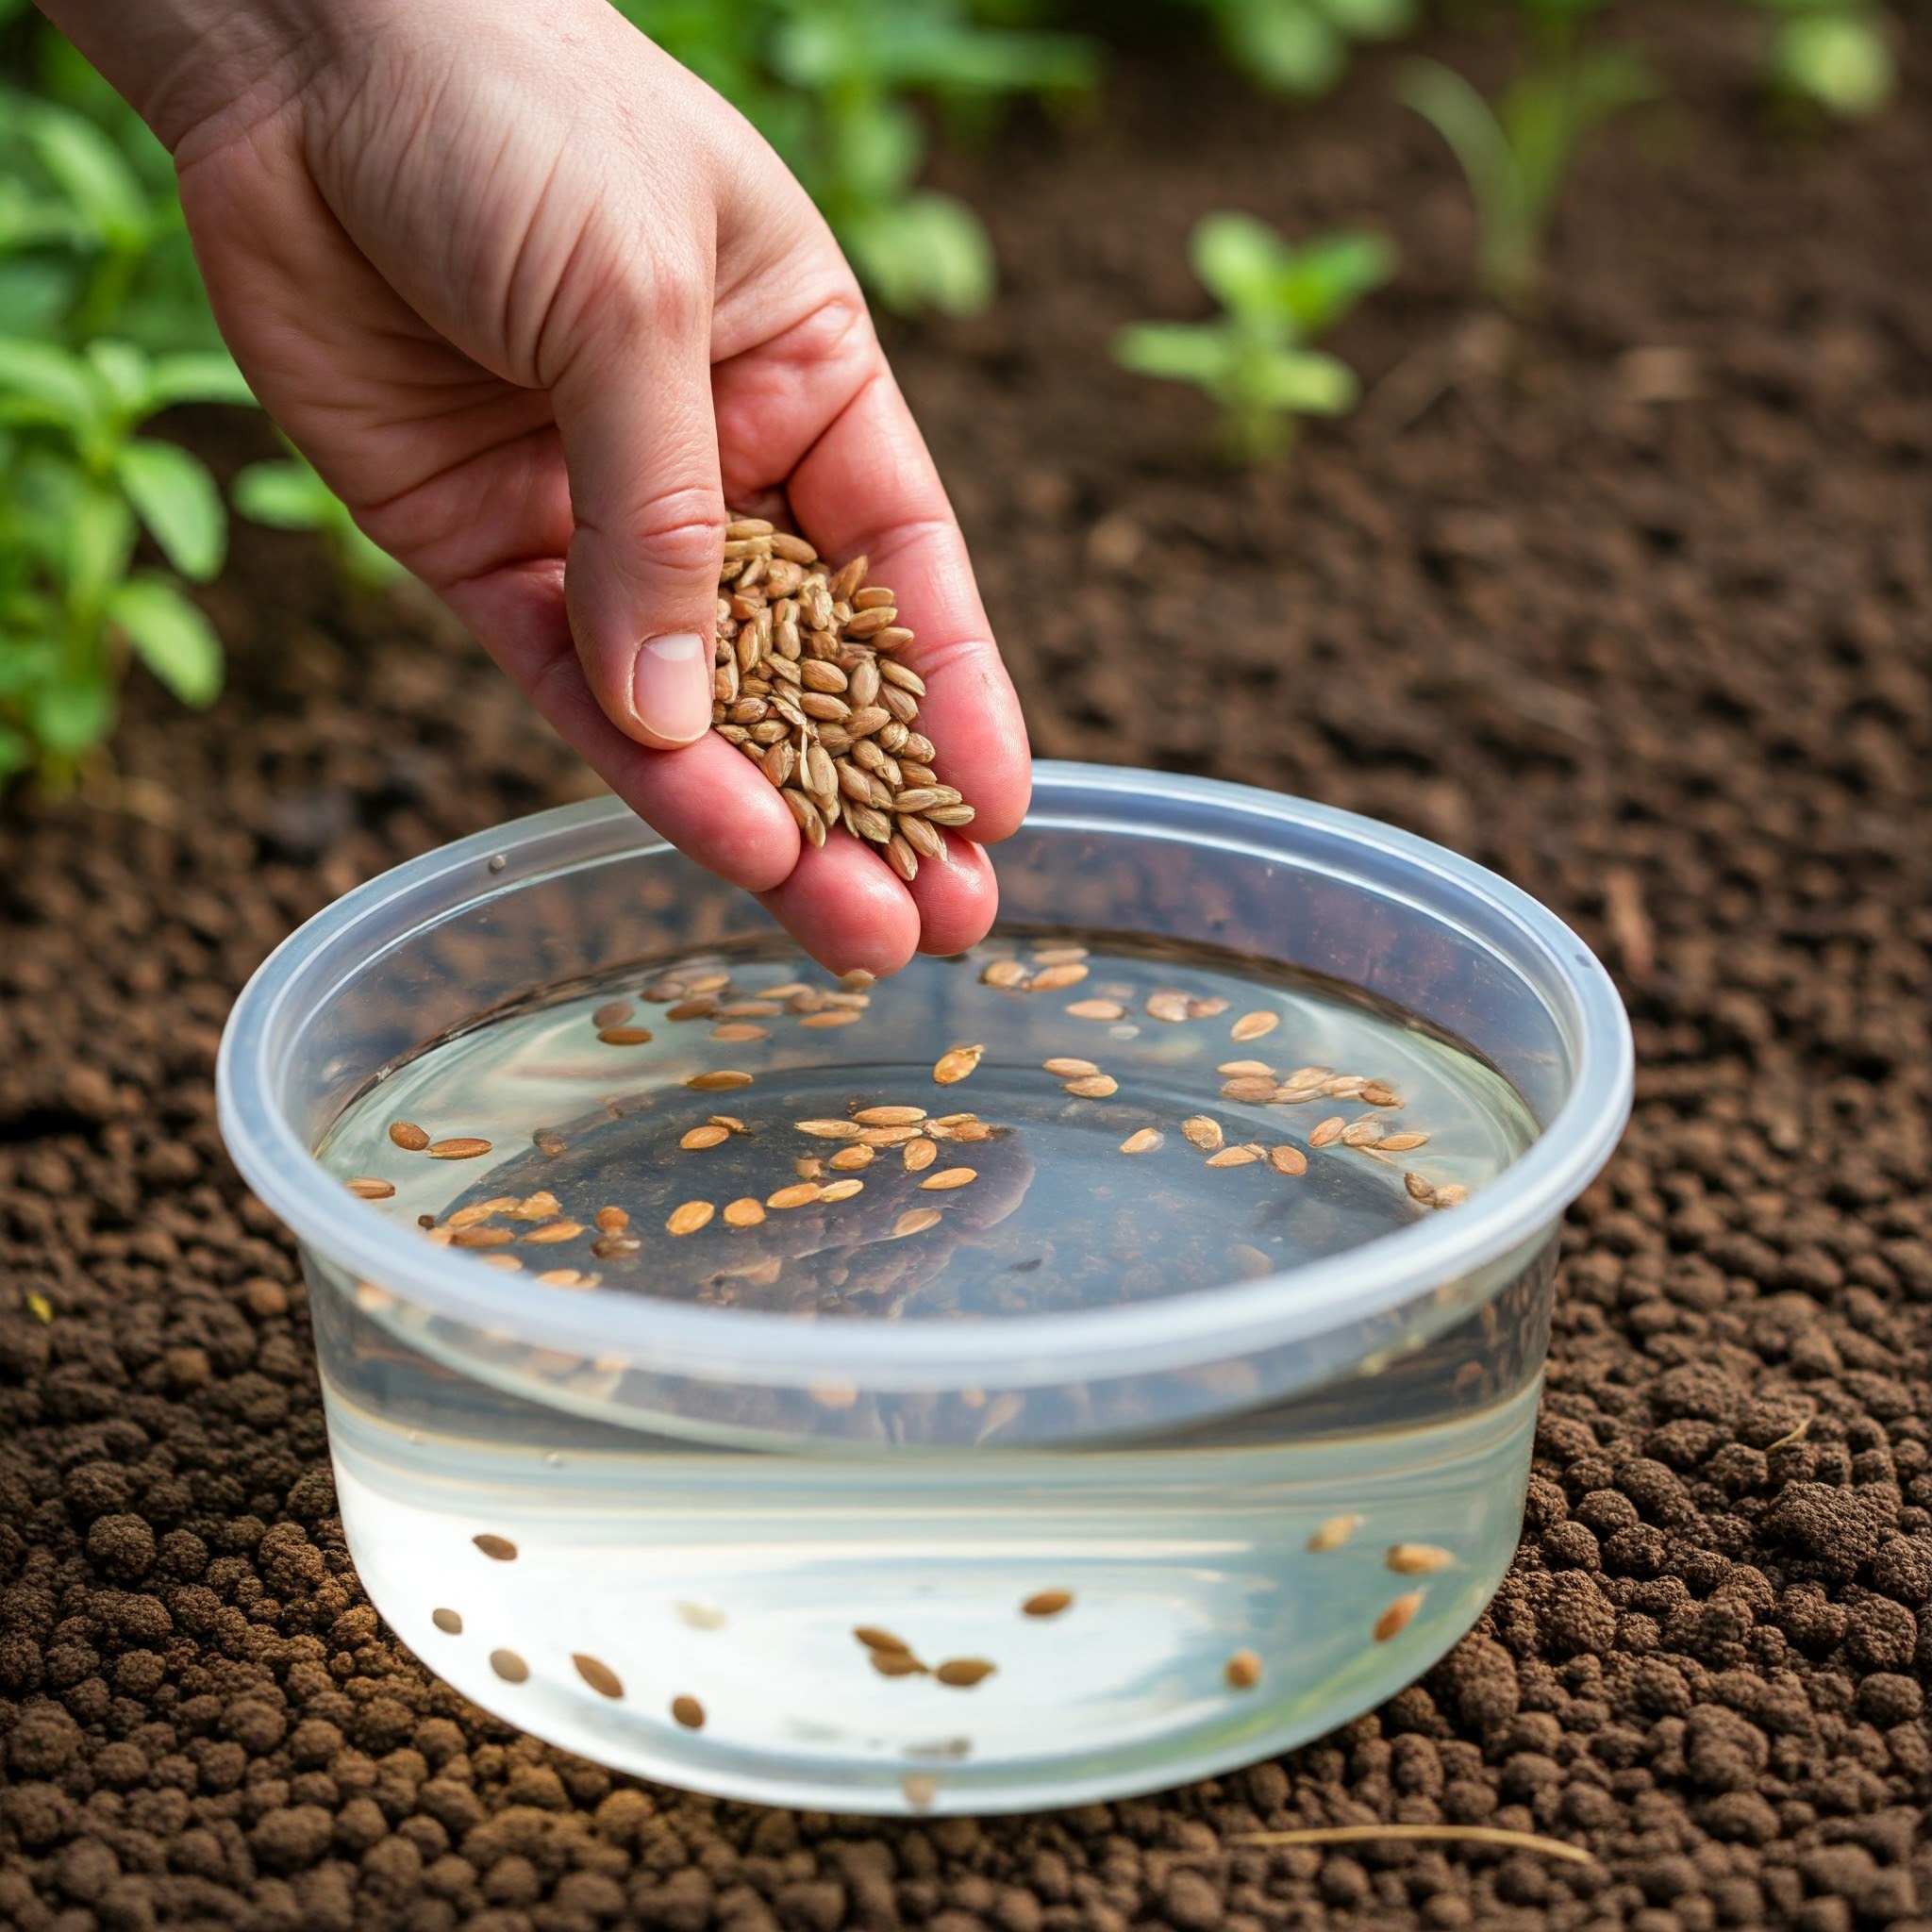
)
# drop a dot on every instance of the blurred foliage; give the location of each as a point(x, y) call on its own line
point(1834, 54)
point(1300, 47)
point(286, 494)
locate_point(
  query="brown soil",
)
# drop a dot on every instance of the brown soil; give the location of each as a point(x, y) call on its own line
point(1662, 662)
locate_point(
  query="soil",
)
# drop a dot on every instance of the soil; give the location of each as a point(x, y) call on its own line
point(1632, 605)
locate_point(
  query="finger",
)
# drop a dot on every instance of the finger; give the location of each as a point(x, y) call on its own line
point(957, 896)
point(640, 444)
point(843, 907)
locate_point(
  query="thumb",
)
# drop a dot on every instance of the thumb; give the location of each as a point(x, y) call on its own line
point(641, 446)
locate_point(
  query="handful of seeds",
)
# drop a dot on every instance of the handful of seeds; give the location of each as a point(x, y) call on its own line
point(806, 685)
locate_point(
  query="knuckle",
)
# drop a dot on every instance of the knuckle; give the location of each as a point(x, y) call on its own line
point(682, 529)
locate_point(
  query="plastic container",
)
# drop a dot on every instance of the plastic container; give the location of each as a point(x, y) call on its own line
point(685, 1513)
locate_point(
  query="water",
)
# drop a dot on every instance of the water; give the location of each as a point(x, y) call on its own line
point(724, 1544)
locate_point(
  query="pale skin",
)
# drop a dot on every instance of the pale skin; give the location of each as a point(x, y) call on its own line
point(540, 306)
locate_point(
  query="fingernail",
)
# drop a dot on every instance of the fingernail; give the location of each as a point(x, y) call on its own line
point(671, 686)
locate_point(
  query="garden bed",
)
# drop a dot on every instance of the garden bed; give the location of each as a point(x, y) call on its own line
point(1632, 603)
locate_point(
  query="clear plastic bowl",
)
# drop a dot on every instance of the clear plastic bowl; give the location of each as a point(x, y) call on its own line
point(687, 1512)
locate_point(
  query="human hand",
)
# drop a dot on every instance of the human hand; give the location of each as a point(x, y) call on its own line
point(539, 304)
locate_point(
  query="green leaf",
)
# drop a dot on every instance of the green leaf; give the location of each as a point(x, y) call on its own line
point(926, 250)
point(1286, 44)
point(1840, 61)
point(1479, 142)
point(1305, 382)
point(123, 372)
point(1238, 260)
point(284, 495)
point(52, 378)
point(35, 292)
point(177, 500)
point(70, 716)
point(1193, 352)
point(171, 636)
point(204, 375)
point(1371, 20)
point(89, 170)
point(1327, 277)
point(16, 750)
point(100, 538)
point(875, 152)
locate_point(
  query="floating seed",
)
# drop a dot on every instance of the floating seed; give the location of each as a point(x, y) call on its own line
point(1248, 1091)
point(962, 1673)
point(729, 1121)
point(499, 1549)
point(1347, 1087)
point(1329, 1131)
point(542, 1205)
point(365, 1187)
point(449, 1621)
point(1093, 1087)
point(953, 1067)
point(1396, 1617)
point(1286, 1160)
point(1054, 979)
point(711, 1083)
point(1417, 1559)
point(688, 1712)
point(972, 1130)
point(1450, 1194)
point(808, 1167)
point(1251, 1026)
point(612, 1221)
point(916, 1221)
point(1057, 956)
point(688, 1219)
point(699, 1616)
point(848, 1159)
point(949, 1178)
point(1047, 1602)
point(1233, 1156)
point(744, 1212)
point(1419, 1188)
point(1142, 1142)
point(841, 1191)
point(509, 1666)
point(1002, 973)
point(1203, 1133)
point(1064, 1068)
point(1377, 1094)
point(740, 1030)
point(462, 1148)
point(1242, 1671)
point(897, 1663)
point(555, 1231)
point(874, 1638)
point(566, 1277)
point(1097, 1010)
point(919, 1155)
point(599, 1677)
point(1334, 1533)
point(701, 1008)
point(623, 1036)
point(1363, 1134)
point(889, 1116)
point(482, 1238)
point(407, 1136)
point(833, 1016)
point(478, 1210)
point(615, 1247)
point(829, 1130)
point(1245, 1070)
point(800, 1196)
point(887, 1137)
point(709, 1136)
point(1401, 1143)
point(1170, 1006)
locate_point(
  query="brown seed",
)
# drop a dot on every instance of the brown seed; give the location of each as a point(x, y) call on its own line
point(887, 1137)
point(612, 1013)
point(889, 1116)
point(555, 1231)
point(509, 1666)
point(952, 816)
point(744, 1212)
point(949, 1178)
point(688, 1218)
point(449, 1621)
point(624, 1035)
point(902, 857)
point(1251, 1026)
point(849, 1160)
point(1419, 1188)
point(1066, 1068)
point(740, 1030)
point(1233, 1156)
point(566, 1277)
point(1144, 1141)
point(688, 1712)
point(916, 1221)
point(599, 1677)
point(1170, 1006)
point(700, 1007)
point(708, 1135)
point(1348, 1087)
point(1002, 973)
point(962, 1673)
point(465, 1147)
point(482, 1237)
point(808, 1167)
point(953, 1067)
point(874, 1638)
point(1401, 1143)
point(407, 1136)
point(1377, 1094)
point(924, 838)
point(540, 1205)
point(919, 1155)
point(1286, 1160)
point(1053, 978)
point(712, 1083)
point(1093, 1087)
point(1245, 1070)
point(1096, 1009)
point(499, 1549)
point(1327, 1132)
point(1450, 1194)
point(842, 1191)
point(480, 1210)
point(1203, 1133)
point(800, 1196)
point(897, 1663)
point(1361, 1133)
point(1046, 1603)
point(972, 1130)
point(612, 1221)
point(1332, 1534)
point(835, 1016)
point(365, 1187)
point(615, 1247)
point(1248, 1091)
point(829, 1130)
point(1417, 1559)
point(1396, 1617)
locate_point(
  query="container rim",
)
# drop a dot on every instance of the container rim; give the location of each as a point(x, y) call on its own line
point(733, 1345)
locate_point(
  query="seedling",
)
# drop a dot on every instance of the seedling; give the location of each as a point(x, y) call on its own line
point(1301, 47)
point(288, 495)
point(1835, 54)
point(1518, 153)
point(1255, 358)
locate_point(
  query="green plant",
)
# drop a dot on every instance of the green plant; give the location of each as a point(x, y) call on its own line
point(77, 486)
point(286, 494)
point(1835, 54)
point(1254, 358)
point(1518, 154)
point(1301, 47)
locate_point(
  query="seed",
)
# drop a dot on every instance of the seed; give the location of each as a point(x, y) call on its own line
point(1067, 1069)
point(1096, 1009)
point(877, 1640)
point(1002, 973)
point(1233, 1156)
point(449, 1621)
point(1054, 977)
point(614, 1247)
point(889, 1116)
point(624, 1035)
point(949, 1178)
point(1202, 1132)
point(1449, 1195)
point(842, 1191)
point(1248, 1091)
point(808, 1167)
point(835, 1016)
point(1251, 1026)
point(1046, 1603)
point(1396, 1617)
point(919, 1155)
point(1377, 1094)
point(463, 1148)
point(712, 1083)
point(547, 1143)
point(478, 1210)
point(800, 1196)
point(1419, 1188)
point(612, 1221)
point(740, 1030)
point(1417, 1559)
point(923, 838)
point(1334, 1533)
point(499, 1549)
point(922, 1790)
point(829, 1130)
point(1170, 1006)
point(1329, 1131)
point(1362, 1132)
point(688, 1712)
point(1242, 1671)
point(848, 1160)
point(744, 1212)
point(1347, 1087)
point(365, 1187)
point(407, 1136)
point(887, 1137)
point(599, 1677)
point(482, 1238)
point(509, 1666)
point(688, 1218)
point(1401, 1143)
point(897, 1663)
point(1245, 1070)
point(1057, 956)
point(540, 1205)
point(702, 1008)
point(712, 1136)
point(612, 1013)
point(555, 1231)
point(1093, 1087)
point(972, 1130)
point(1286, 1160)
point(916, 1221)
point(951, 1067)
point(1142, 1142)
point(962, 1673)
point(565, 1277)
point(699, 1616)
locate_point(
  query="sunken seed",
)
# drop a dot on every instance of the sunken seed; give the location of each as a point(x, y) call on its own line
point(1054, 977)
point(616, 1247)
point(962, 1673)
point(709, 1136)
point(740, 1030)
point(624, 1035)
point(836, 1016)
point(612, 1221)
point(829, 1130)
point(1143, 1141)
point(702, 1008)
point(1170, 1006)
point(889, 1116)
point(542, 1205)
point(365, 1187)
point(1397, 1616)
point(478, 1210)
point(688, 1218)
point(849, 1159)
point(1285, 1160)
point(407, 1136)
point(1248, 1091)
point(688, 1712)
point(1047, 1602)
point(1419, 1188)
point(712, 1083)
point(1245, 1070)
point(799, 1196)
point(449, 1621)
point(555, 1231)
point(499, 1549)
point(612, 1013)
point(1251, 1026)
point(1361, 1133)
point(1093, 1087)
point(1334, 1533)
point(1206, 1009)
point(1329, 1131)
point(463, 1148)
point(509, 1666)
point(744, 1212)
point(599, 1677)
point(1403, 1143)
point(916, 1221)
point(1417, 1559)
point(482, 1238)
point(1242, 1671)
point(951, 1067)
point(1233, 1156)
point(1203, 1133)
point(919, 1155)
point(1068, 1069)
point(842, 1191)
point(1377, 1094)
point(949, 1178)
point(1450, 1194)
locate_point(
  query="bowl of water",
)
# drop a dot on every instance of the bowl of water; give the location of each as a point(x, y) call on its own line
point(1094, 1362)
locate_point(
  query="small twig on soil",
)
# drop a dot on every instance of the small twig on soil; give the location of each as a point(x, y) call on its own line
point(1462, 1834)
